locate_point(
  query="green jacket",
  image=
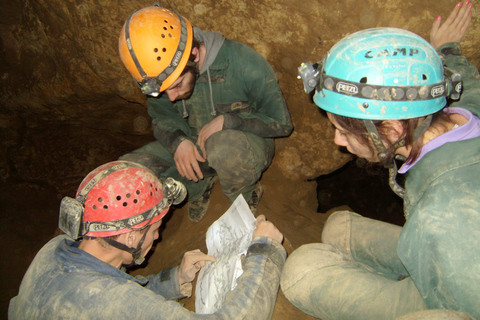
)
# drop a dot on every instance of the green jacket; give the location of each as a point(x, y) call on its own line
point(240, 84)
point(440, 242)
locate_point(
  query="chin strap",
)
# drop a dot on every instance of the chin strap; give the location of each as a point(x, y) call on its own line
point(135, 252)
point(382, 152)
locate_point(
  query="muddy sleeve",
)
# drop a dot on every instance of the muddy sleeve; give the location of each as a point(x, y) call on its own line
point(454, 59)
point(167, 284)
point(168, 125)
point(270, 117)
point(254, 296)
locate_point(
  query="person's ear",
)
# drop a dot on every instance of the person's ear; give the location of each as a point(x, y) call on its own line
point(130, 238)
point(196, 53)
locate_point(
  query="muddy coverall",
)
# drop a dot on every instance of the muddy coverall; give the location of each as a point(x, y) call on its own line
point(65, 282)
point(368, 269)
point(239, 84)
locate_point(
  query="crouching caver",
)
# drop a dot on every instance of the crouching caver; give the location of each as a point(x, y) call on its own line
point(215, 104)
point(116, 215)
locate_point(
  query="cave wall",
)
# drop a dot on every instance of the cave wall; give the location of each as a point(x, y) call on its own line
point(68, 104)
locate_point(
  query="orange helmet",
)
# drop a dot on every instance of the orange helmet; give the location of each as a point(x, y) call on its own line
point(155, 46)
point(116, 198)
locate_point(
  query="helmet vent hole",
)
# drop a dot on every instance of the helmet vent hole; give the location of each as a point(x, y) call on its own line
point(163, 36)
point(170, 35)
point(125, 204)
point(100, 199)
point(165, 28)
point(164, 50)
point(155, 50)
point(94, 207)
point(363, 80)
point(166, 21)
point(105, 207)
point(159, 58)
point(137, 192)
point(135, 201)
point(119, 198)
point(128, 195)
point(424, 77)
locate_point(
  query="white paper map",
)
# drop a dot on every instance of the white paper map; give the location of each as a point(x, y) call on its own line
point(227, 239)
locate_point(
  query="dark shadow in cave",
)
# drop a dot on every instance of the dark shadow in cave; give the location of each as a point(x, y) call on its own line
point(364, 189)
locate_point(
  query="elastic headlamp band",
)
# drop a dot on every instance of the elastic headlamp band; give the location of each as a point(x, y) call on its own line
point(127, 223)
point(382, 93)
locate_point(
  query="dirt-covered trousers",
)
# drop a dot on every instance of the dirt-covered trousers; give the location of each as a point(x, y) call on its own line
point(238, 159)
point(354, 273)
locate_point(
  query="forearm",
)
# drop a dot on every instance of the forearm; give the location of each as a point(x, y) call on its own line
point(257, 288)
point(167, 284)
point(169, 128)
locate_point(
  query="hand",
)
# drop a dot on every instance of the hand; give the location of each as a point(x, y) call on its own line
point(453, 29)
point(186, 159)
point(267, 229)
point(192, 262)
point(210, 128)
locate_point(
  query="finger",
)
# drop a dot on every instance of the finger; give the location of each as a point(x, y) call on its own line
point(200, 140)
point(210, 258)
point(202, 257)
point(466, 17)
point(199, 157)
point(452, 15)
point(259, 219)
point(204, 152)
point(435, 27)
point(197, 171)
point(460, 17)
point(180, 168)
point(191, 173)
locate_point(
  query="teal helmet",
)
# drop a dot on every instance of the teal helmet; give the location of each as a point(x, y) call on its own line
point(381, 73)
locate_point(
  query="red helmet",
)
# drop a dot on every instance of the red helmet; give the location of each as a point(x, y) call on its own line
point(118, 197)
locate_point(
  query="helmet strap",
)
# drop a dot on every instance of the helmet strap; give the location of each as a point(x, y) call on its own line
point(135, 252)
point(382, 152)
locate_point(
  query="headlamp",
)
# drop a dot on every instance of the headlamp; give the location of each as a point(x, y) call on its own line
point(150, 86)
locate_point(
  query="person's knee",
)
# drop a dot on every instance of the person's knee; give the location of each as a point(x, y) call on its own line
point(152, 162)
point(308, 259)
point(337, 230)
point(305, 273)
point(229, 152)
point(231, 144)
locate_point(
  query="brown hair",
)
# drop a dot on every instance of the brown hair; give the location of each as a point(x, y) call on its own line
point(358, 129)
point(188, 68)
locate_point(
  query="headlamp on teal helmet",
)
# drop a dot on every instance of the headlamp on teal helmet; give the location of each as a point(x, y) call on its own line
point(381, 73)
